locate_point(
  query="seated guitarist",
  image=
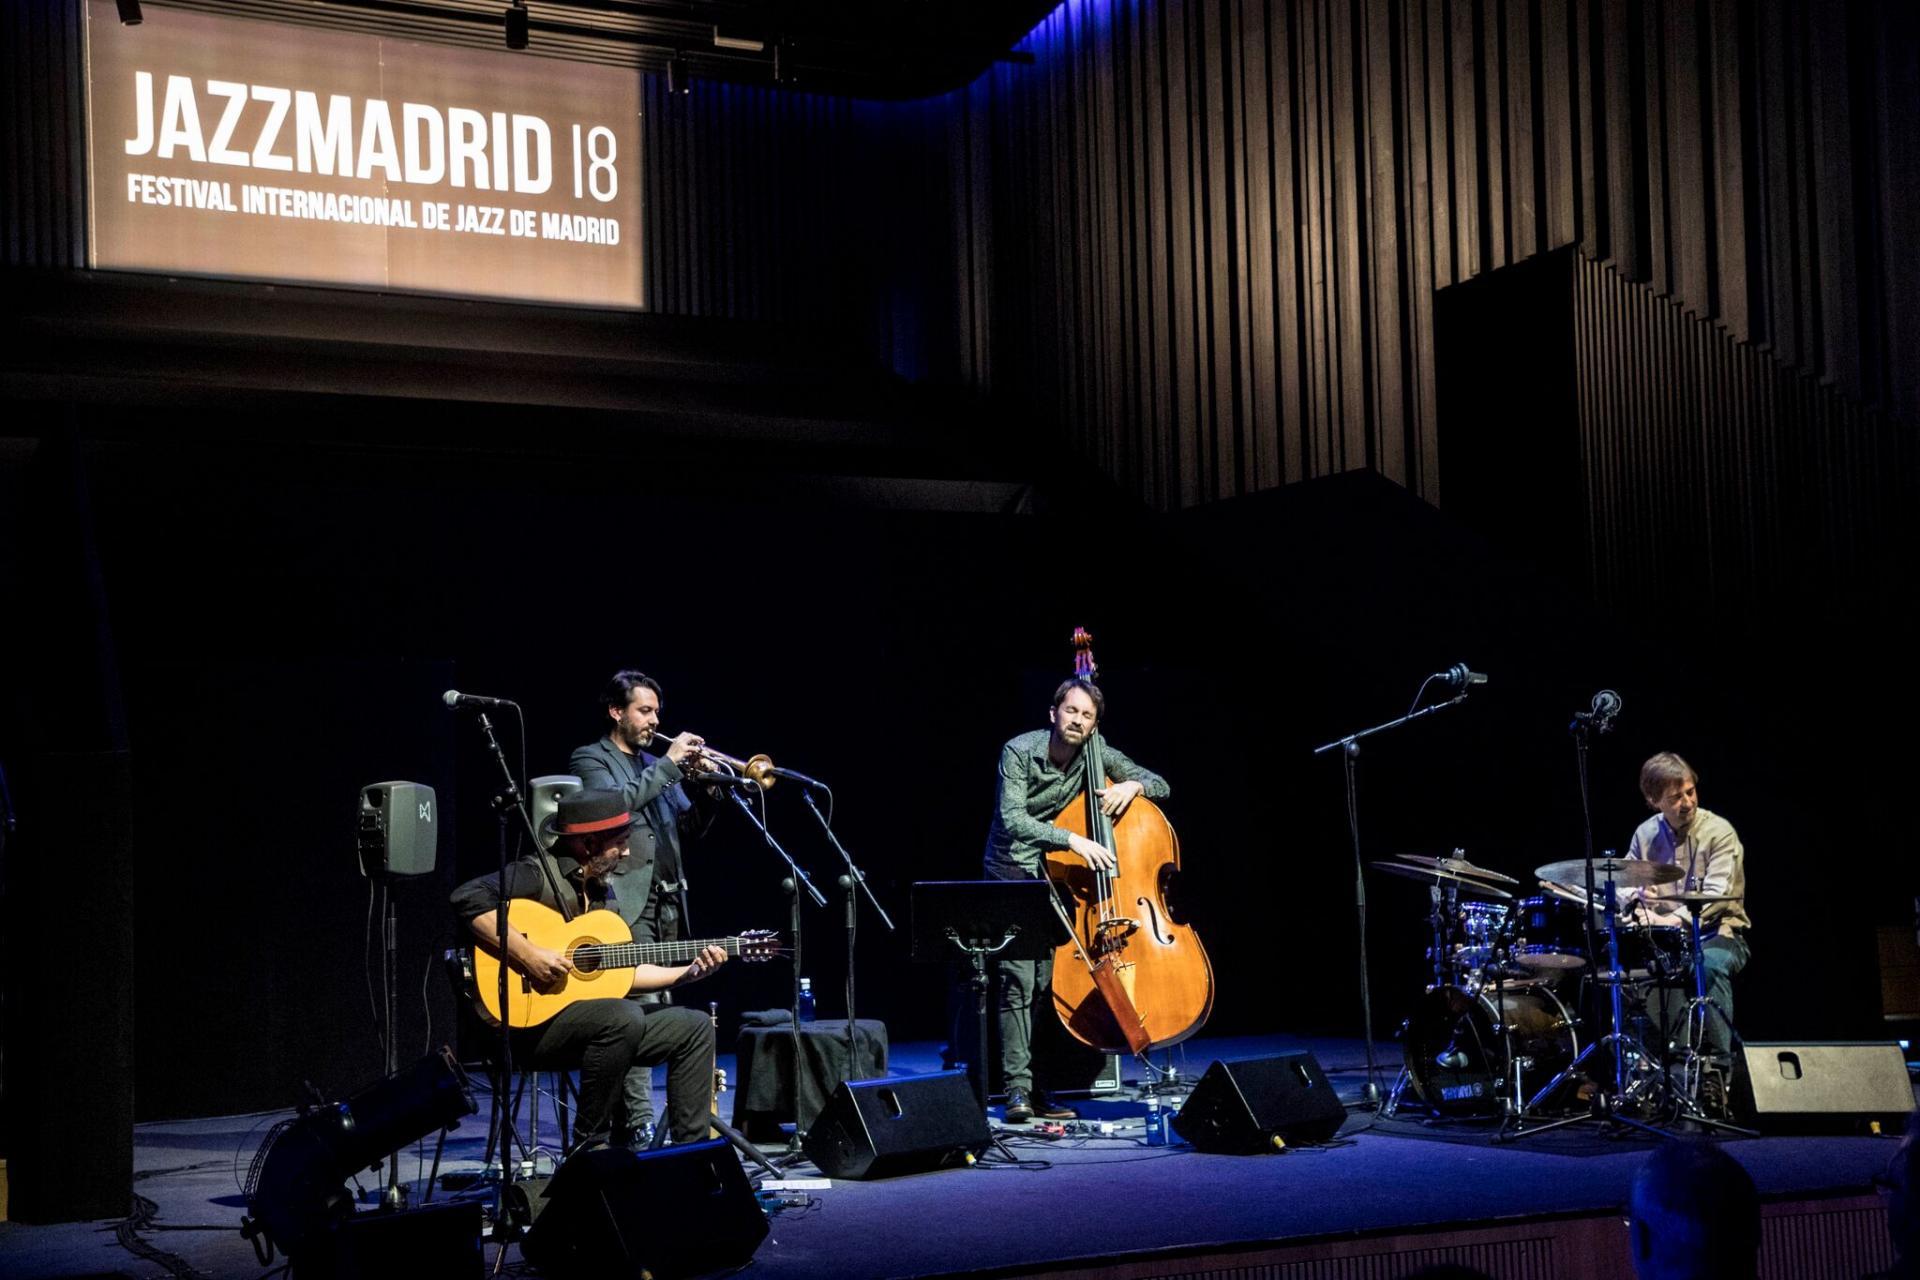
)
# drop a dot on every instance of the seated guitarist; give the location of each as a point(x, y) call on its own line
point(601, 1037)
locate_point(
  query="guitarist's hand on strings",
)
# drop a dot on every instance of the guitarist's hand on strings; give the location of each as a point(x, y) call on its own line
point(1098, 856)
point(1115, 799)
point(543, 965)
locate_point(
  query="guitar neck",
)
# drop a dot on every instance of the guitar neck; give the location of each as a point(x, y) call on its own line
point(622, 955)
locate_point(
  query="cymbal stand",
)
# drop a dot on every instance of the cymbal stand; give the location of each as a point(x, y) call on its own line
point(1699, 1010)
point(1606, 1103)
point(1444, 898)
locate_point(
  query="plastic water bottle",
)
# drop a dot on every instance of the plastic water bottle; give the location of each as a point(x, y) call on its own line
point(806, 999)
point(1156, 1122)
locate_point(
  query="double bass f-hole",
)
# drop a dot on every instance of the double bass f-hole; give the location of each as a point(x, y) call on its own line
point(1160, 935)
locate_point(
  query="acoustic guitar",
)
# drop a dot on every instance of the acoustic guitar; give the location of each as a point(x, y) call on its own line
point(604, 956)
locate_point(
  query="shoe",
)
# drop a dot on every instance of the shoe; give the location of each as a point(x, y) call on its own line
point(640, 1139)
point(1047, 1109)
point(1019, 1107)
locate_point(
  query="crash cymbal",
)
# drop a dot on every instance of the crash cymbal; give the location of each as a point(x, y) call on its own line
point(1434, 875)
point(1459, 866)
point(1627, 873)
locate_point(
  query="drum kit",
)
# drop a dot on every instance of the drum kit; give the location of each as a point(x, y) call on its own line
point(1498, 1030)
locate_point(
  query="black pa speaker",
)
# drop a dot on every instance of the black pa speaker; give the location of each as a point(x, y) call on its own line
point(1831, 1087)
point(880, 1128)
point(396, 829)
point(620, 1215)
point(1260, 1104)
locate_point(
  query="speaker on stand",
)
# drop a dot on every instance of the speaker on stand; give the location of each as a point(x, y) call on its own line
point(398, 838)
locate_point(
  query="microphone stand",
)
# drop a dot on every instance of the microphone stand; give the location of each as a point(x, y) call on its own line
point(854, 882)
point(1606, 1105)
point(791, 884)
point(1350, 752)
point(507, 802)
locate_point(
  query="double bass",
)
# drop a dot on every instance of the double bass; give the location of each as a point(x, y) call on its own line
point(1133, 977)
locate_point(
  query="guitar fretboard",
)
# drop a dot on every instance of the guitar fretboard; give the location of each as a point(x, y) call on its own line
point(624, 955)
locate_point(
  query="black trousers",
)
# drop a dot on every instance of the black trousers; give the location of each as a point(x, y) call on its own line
point(606, 1038)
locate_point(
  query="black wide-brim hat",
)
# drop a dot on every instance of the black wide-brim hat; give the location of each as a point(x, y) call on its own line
point(587, 813)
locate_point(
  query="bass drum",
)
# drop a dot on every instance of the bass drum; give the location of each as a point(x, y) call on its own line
point(1458, 1059)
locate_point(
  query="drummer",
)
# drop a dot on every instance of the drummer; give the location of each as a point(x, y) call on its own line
point(1706, 848)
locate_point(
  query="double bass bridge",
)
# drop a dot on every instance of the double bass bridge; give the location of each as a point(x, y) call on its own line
point(1110, 935)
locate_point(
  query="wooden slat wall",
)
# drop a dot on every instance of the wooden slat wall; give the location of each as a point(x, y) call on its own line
point(1203, 236)
point(42, 141)
point(1219, 224)
point(1701, 451)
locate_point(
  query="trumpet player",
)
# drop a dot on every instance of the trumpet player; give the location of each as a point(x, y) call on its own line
point(648, 889)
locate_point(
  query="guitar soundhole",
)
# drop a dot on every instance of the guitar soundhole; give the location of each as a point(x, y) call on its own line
point(586, 960)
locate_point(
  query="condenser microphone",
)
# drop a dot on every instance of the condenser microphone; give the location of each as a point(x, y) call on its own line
point(1458, 677)
point(456, 699)
point(1606, 705)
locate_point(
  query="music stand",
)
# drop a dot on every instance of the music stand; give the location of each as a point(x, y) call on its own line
point(1007, 919)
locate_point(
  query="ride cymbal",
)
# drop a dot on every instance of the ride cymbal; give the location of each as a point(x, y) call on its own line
point(1626, 873)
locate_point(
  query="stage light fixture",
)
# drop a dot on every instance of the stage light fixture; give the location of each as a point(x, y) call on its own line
point(130, 15)
point(679, 81)
point(517, 24)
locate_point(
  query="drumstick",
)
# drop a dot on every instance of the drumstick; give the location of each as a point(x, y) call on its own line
point(1564, 891)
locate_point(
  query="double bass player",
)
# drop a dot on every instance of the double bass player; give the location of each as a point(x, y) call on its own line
point(1041, 772)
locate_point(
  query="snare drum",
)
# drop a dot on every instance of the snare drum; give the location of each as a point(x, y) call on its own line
point(1550, 934)
point(1654, 951)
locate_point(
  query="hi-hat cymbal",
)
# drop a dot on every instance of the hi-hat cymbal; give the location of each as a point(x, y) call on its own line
point(1434, 875)
point(1459, 866)
point(1626, 873)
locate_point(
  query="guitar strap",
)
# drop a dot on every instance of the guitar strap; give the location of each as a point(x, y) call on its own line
point(557, 882)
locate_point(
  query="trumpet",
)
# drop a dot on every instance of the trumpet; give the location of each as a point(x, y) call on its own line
point(758, 770)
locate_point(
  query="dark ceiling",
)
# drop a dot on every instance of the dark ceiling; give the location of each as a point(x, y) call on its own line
point(858, 48)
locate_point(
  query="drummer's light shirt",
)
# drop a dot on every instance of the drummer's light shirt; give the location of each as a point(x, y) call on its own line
point(1710, 854)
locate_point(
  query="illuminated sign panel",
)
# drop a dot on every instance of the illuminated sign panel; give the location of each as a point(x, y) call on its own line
point(227, 147)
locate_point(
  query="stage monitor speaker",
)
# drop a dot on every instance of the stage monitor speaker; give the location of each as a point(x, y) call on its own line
point(431, 1242)
point(397, 829)
point(881, 1128)
point(1833, 1087)
point(1260, 1104)
point(544, 794)
point(619, 1215)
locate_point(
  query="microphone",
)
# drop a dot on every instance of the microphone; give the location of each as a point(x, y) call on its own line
point(1458, 677)
point(1606, 705)
point(1450, 1058)
point(794, 775)
point(456, 699)
point(715, 778)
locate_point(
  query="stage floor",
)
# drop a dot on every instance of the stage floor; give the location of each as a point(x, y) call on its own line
point(1070, 1203)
